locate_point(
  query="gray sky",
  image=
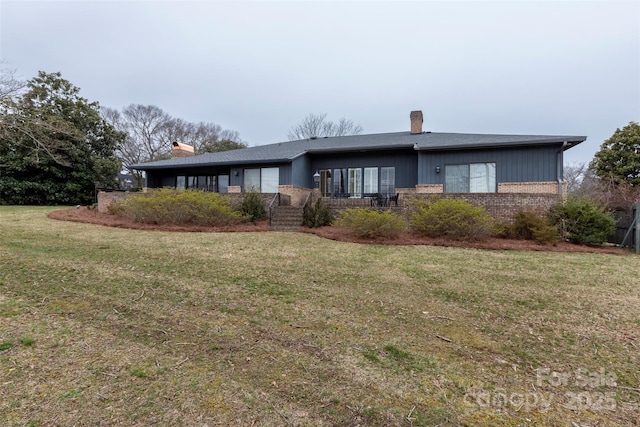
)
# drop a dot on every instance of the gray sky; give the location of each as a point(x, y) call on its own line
point(539, 67)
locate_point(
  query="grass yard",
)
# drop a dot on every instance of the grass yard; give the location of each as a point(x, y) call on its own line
point(107, 326)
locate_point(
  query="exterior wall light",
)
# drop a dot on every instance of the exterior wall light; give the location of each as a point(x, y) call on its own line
point(437, 169)
point(316, 178)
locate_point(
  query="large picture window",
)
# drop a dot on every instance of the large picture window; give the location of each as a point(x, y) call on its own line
point(470, 178)
point(265, 180)
point(270, 180)
point(252, 180)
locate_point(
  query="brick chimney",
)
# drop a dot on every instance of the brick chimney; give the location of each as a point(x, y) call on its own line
point(181, 150)
point(416, 122)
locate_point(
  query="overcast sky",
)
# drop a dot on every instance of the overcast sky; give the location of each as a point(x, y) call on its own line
point(538, 67)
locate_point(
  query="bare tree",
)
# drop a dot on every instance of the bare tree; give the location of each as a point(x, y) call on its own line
point(317, 126)
point(204, 137)
point(10, 84)
point(573, 176)
point(150, 133)
point(606, 191)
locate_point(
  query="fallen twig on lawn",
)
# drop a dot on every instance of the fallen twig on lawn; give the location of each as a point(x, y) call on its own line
point(443, 338)
point(141, 295)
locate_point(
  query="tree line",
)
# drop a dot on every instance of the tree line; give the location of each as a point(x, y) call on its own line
point(56, 146)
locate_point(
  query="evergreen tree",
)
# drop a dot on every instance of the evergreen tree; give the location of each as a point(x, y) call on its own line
point(54, 145)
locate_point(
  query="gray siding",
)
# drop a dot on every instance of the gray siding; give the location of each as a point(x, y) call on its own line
point(300, 172)
point(405, 162)
point(522, 164)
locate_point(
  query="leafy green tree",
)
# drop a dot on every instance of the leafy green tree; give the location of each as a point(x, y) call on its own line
point(619, 156)
point(212, 146)
point(54, 146)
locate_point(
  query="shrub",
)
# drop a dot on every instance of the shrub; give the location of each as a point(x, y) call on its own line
point(171, 206)
point(317, 215)
point(532, 226)
point(453, 218)
point(370, 223)
point(253, 207)
point(583, 221)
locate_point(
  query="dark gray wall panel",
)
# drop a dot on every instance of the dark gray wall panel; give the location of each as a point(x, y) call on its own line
point(405, 162)
point(522, 164)
point(300, 174)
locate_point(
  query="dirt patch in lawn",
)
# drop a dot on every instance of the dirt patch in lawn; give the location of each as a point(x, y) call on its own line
point(84, 214)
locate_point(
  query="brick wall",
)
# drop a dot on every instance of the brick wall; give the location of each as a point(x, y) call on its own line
point(297, 195)
point(501, 206)
point(529, 187)
point(505, 206)
point(429, 188)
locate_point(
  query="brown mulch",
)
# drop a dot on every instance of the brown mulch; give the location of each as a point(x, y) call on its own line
point(87, 215)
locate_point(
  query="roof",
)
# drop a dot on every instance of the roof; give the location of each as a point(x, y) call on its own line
point(286, 151)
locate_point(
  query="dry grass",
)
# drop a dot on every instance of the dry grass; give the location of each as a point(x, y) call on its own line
point(106, 326)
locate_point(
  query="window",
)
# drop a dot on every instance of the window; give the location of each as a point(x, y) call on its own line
point(252, 180)
point(211, 183)
point(223, 183)
point(355, 182)
point(265, 180)
point(471, 178)
point(192, 182)
point(370, 180)
point(181, 182)
point(388, 181)
point(270, 180)
point(482, 178)
point(339, 181)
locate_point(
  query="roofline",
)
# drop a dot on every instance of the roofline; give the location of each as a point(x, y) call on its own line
point(355, 149)
point(569, 143)
point(197, 165)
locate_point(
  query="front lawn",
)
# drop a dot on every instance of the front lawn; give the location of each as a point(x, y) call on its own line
point(108, 326)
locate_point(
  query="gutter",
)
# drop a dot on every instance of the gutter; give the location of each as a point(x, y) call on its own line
point(560, 168)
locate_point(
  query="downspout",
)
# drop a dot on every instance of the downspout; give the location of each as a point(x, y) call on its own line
point(560, 168)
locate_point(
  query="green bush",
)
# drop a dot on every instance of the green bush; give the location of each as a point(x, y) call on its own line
point(583, 221)
point(452, 218)
point(171, 206)
point(317, 215)
point(253, 207)
point(370, 223)
point(532, 226)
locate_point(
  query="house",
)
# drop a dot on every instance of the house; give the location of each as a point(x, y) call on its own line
point(353, 167)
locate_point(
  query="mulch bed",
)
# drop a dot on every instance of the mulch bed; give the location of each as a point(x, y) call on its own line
point(87, 215)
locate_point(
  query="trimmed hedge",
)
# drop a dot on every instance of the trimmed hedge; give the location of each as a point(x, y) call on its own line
point(453, 218)
point(532, 226)
point(171, 206)
point(371, 223)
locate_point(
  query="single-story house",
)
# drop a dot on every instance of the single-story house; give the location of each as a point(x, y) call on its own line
point(415, 161)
